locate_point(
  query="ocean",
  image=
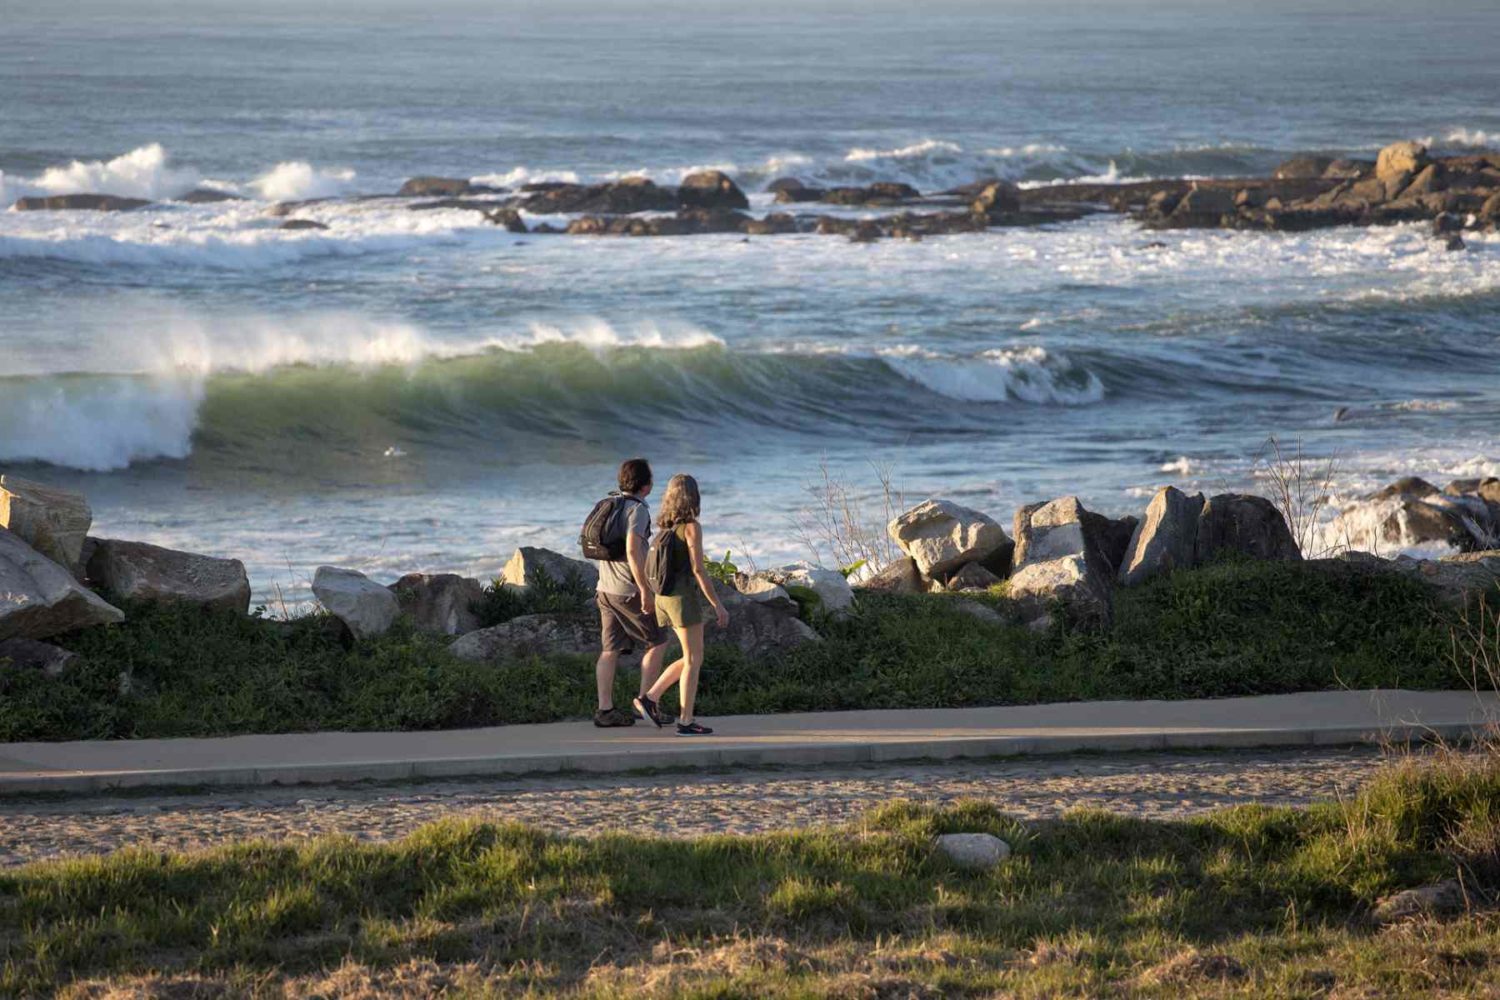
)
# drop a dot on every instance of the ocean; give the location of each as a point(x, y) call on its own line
point(423, 391)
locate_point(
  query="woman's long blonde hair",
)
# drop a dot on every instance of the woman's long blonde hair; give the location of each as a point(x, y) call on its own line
point(681, 503)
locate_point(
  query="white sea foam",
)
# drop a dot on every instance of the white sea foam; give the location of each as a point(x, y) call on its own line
point(1028, 374)
point(145, 172)
point(98, 424)
point(297, 181)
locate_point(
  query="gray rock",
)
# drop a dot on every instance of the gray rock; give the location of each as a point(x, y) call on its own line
point(971, 577)
point(973, 851)
point(1071, 580)
point(365, 607)
point(981, 612)
point(39, 598)
point(1438, 899)
point(28, 654)
point(1166, 539)
point(832, 589)
point(1058, 528)
point(442, 603)
point(558, 568)
point(53, 521)
point(530, 635)
point(763, 591)
point(941, 536)
point(440, 187)
point(1455, 578)
point(1250, 525)
point(137, 571)
point(899, 577)
point(759, 630)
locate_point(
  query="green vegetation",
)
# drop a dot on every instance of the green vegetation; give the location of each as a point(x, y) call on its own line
point(1245, 902)
point(1227, 629)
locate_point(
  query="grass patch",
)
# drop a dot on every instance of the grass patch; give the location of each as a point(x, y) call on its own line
point(1226, 629)
point(1246, 901)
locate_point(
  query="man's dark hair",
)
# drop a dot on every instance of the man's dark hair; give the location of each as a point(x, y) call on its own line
point(635, 475)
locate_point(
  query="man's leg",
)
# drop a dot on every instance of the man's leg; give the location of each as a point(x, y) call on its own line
point(604, 678)
point(651, 665)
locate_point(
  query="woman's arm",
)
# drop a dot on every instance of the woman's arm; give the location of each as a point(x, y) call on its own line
point(694, 537)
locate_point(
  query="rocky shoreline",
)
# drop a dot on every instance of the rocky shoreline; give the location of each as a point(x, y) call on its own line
point(1058, 558)
point(1404, 184)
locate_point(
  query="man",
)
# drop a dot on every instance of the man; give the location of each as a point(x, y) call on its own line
point(627, 608)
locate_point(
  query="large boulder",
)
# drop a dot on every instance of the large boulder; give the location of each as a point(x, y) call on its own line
point(1166, 539)
point(530, 635)
point(53, 521)
point(1058, 528)
point(39, 598)
point(759, 630)
point(834, 593)
point(711, 189)
point(1059, 557)
point(1407, 486)
point(440, 602)
point(940, 536)
point(28, 654)
point(365, 607)
point(1249, 525)
point(1072, 580)
point(137, 571)
point(1400, 158)
point(529, 562)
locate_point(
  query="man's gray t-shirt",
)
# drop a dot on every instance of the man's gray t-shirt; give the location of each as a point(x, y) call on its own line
point(614, 577)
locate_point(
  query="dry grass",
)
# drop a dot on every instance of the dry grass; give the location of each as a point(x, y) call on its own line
point(844, 524)
point(1301, 489)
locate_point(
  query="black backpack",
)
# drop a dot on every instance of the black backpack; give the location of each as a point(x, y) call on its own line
point(661, 562)
point(603, 534)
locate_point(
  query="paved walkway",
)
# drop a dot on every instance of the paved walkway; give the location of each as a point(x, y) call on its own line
point(1322, 718)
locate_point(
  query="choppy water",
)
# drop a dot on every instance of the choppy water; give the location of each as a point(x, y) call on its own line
point(419, 390)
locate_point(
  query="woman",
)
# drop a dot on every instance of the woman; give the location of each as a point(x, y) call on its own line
point(685, 606)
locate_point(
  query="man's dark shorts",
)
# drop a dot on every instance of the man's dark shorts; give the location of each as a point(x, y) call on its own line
point(624, 627)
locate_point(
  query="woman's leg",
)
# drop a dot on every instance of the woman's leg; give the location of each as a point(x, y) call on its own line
point(691, 638)
point(668, 677)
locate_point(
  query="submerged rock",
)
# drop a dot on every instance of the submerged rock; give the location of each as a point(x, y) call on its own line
point(443, 187)
point(137, 571)
point(365, 607)
point(39, 598)
point(711, 189)
point(79, 203)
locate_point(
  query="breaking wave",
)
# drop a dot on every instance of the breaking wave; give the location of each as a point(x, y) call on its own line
point(258, 391)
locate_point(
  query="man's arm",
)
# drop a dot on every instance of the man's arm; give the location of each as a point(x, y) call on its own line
point(635, 555)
